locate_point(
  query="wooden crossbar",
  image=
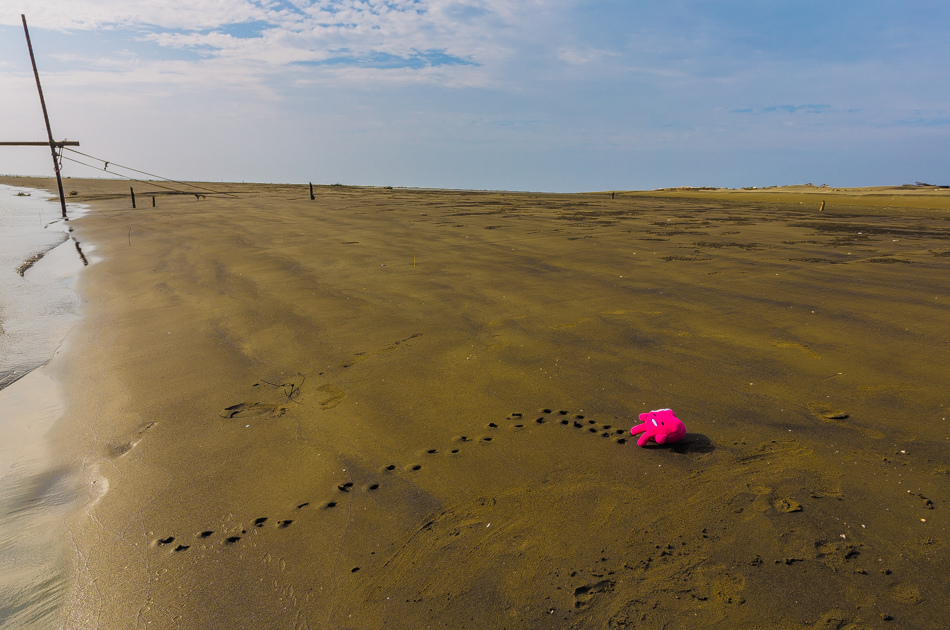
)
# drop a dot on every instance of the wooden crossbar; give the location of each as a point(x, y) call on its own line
point(62, 143)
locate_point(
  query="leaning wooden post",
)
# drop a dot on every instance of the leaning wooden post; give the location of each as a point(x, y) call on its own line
point(132, 192)
point(311, 192)
point(153, 201)
point(822, 208)
point(49, 132)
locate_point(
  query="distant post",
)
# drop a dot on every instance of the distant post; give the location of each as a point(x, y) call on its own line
point(49, 132)
point(822, 208)
point(132, 192)
point(311, 192)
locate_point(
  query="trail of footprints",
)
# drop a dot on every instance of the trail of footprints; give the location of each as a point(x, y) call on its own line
point(516, 421)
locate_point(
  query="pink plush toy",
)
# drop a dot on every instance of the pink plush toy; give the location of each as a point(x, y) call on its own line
point(661, 426)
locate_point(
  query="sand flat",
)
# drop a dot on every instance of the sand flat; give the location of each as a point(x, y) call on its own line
point(409, 408)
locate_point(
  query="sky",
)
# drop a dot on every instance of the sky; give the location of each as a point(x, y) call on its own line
point(541, 95)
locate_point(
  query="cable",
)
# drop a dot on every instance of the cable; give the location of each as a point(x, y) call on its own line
point(132, 179)
point(129, 168)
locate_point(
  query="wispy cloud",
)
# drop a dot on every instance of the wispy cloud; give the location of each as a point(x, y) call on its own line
point(924, 121)
point(584, 56)
point(810, 108)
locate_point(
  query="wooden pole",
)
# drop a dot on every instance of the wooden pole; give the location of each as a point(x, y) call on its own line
point(49, 132)
point(311, 192)
point(132, 192)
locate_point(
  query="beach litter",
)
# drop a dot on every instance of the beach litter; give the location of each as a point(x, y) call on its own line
point(660, 425)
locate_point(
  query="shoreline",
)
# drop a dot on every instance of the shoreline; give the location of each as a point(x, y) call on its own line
point(454, 372)
point(37, 491)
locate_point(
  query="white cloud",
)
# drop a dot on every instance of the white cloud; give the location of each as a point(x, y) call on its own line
point(96, 14)
point(580, 57)
point(436, 41)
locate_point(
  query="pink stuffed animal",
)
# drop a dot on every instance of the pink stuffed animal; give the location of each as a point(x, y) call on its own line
point(661, 426)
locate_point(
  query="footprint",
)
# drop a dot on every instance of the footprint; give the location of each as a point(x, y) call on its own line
point(787, 505)
point(827, 412)
point(584, 594)
point(284, 524)
point(259, 522)
point(117, 450)
point(334, 396)
point(253, 410)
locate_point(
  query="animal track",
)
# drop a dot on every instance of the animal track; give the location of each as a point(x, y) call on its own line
point(515, 421)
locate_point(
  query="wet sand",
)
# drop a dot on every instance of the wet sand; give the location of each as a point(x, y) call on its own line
point(409, 409)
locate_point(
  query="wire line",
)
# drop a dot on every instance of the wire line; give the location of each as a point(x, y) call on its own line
point(134, 170)
point(132, 179)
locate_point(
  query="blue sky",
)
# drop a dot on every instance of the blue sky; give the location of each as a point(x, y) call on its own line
point(549, 95)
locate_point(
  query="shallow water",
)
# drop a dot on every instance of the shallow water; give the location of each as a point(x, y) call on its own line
point(37, 305)
point(37, 310)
